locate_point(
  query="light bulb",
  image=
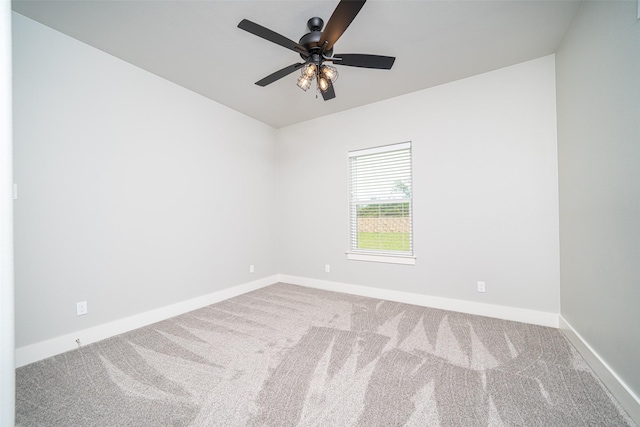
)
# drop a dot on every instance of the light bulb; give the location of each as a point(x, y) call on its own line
point(309, 70)
point(330, 72)
point(304, 83)
point(323, 84)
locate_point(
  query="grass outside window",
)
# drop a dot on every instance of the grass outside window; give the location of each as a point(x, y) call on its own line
point(384, 241)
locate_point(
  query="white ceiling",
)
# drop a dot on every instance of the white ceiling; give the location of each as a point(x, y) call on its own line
point(197, 45)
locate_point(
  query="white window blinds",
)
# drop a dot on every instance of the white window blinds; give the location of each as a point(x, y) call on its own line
point(380, 200)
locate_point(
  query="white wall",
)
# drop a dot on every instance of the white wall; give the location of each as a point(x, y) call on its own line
point(485, 189)
point(134, 193)
point(7, 373)
point(598, 74)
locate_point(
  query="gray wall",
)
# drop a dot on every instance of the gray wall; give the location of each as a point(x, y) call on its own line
point(485, 189)
point(598, 79)
point(134, 193)
point(7, 372)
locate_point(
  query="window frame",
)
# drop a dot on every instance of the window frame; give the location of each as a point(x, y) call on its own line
point(378, 255)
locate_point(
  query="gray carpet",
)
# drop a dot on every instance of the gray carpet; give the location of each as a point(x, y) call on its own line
point(287, 355)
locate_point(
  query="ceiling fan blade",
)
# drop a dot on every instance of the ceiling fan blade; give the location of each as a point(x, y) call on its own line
point(272, 36)
point(364, 61)
point(341, 18)
point(330, 93)
point(279, 74)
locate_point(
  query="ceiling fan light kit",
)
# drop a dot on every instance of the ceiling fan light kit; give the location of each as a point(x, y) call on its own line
point(316, 48)
point(323, 75)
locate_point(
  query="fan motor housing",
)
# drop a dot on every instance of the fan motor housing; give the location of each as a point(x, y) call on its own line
point(311, 40)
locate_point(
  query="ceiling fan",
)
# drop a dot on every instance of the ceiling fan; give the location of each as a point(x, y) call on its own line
point(316, 48)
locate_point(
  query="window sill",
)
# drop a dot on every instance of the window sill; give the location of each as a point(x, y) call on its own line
point(387, 258)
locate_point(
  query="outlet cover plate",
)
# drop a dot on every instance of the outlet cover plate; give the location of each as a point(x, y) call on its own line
point(81, 308)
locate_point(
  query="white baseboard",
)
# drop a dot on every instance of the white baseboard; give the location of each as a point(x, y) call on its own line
point(42, 350)
point(618, 388)
point(490, 310)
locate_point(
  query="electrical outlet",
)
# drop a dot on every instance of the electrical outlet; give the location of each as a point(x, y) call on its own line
point(251, 268)
point(481, 287)
point(327, 268)
point(81, 308)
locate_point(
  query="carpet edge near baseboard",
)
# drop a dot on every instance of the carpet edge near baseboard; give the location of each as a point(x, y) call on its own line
point(616, 386)
point(43, 349)
point(515, 314)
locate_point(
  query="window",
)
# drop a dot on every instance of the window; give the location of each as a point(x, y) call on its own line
point(380, 202)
